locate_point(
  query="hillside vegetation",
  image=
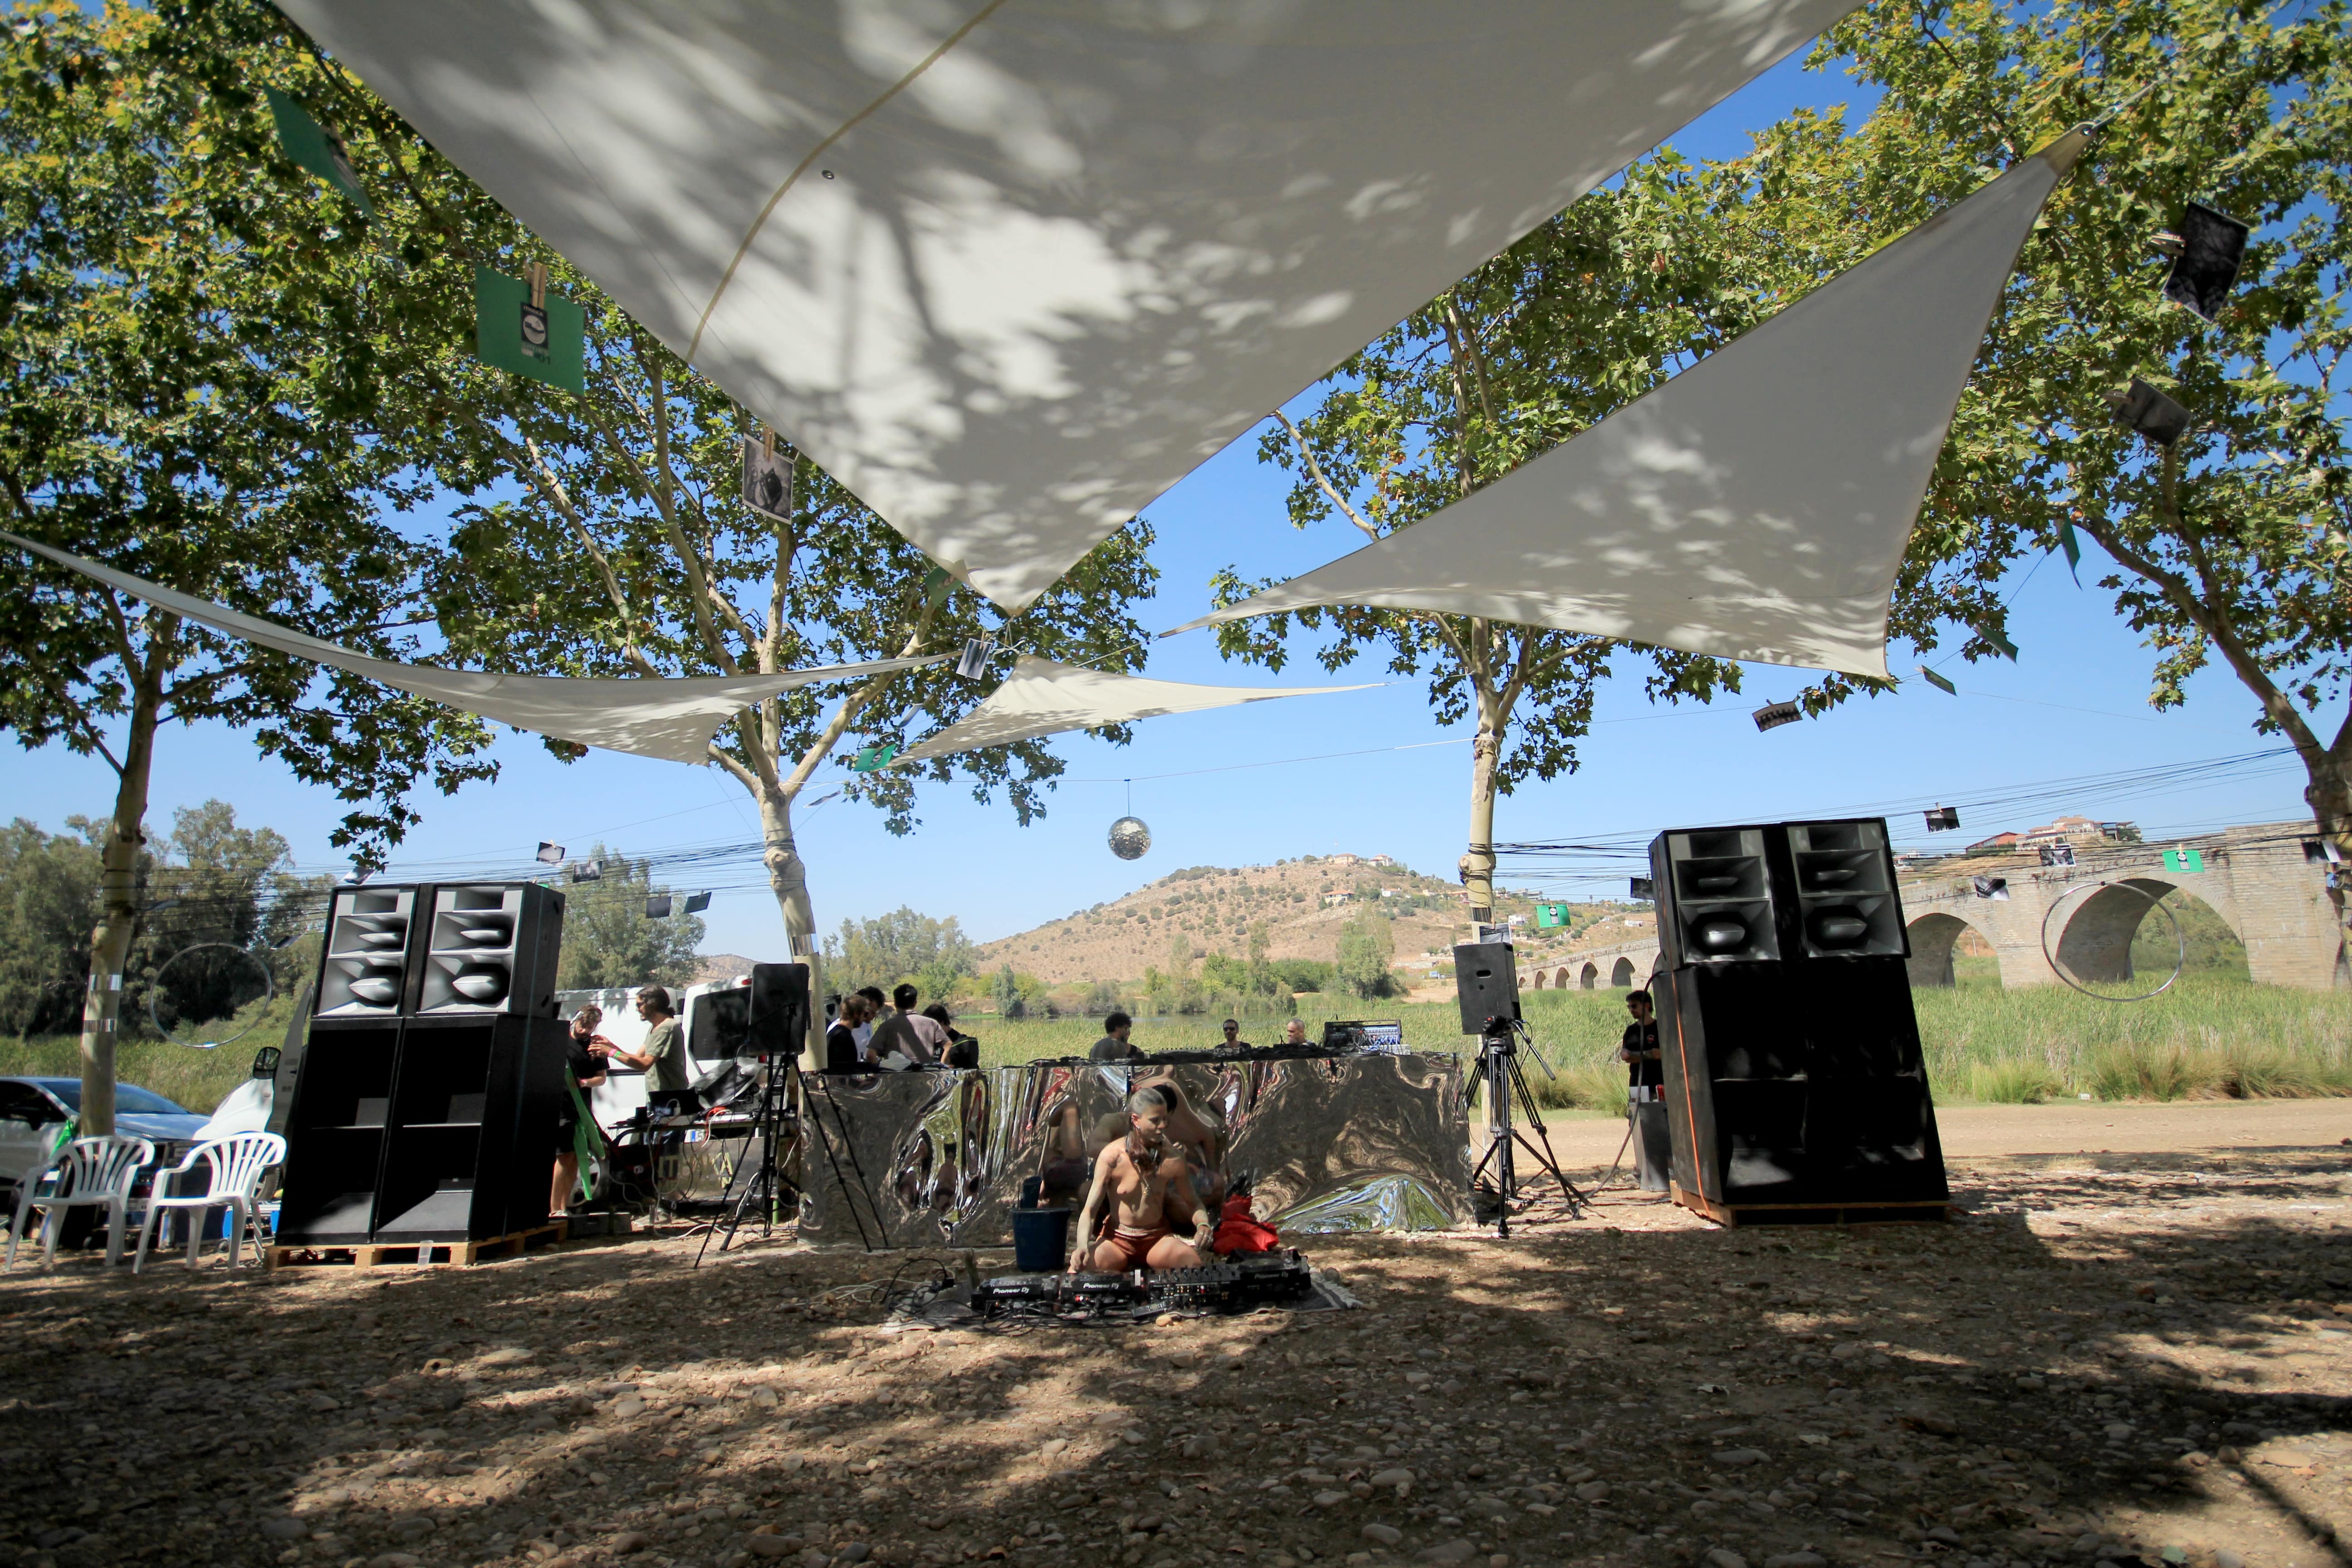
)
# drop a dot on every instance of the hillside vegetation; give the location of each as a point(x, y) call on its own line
point(1301, 906)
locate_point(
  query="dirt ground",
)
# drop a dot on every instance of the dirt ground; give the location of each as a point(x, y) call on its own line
point(2107, 1357)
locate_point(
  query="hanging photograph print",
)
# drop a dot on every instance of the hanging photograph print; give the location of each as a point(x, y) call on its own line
point(547, 342)
point(314, 147)
point(768, 479)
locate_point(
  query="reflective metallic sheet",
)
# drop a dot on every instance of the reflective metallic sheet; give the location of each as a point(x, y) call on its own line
point(1372, 1142)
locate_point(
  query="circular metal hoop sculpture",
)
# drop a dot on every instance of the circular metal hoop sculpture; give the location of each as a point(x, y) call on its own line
point(1130, 839)
point(207, 982)
point(2179, 938)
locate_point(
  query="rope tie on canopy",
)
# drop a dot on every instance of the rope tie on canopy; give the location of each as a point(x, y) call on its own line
point(819, 151)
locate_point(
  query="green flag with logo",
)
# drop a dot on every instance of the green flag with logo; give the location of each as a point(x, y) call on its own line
point(546, 343)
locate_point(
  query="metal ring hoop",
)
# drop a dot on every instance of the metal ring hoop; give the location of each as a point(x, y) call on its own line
point(2179, 939)
point(269, 994)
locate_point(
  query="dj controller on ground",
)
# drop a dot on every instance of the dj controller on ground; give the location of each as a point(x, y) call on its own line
point(1235, 1284)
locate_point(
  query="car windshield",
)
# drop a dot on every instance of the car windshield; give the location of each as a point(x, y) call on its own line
point(129, 1098)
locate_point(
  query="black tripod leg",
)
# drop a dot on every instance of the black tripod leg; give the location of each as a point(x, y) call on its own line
point(1543, 1156)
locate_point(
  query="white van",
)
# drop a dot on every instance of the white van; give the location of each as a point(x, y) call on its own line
point(715, 1014)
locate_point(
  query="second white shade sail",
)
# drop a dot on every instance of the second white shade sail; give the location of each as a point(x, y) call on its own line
point(1755, 506)
point(671, 718)
point(1041, 696)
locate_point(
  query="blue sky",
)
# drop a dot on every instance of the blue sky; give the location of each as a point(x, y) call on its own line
point(2074, 705)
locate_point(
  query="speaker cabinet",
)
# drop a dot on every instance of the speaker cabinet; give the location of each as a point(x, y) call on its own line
point(363, 972)
point(1843, 877)
point(1798, 1091)
point(491, 949)
point(1715, 896)
point(1485, 984)
point(778, 1024)
point(451, 949)
point(423, 1128)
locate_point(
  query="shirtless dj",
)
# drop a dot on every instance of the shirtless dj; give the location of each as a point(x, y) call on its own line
point(1140, 1176)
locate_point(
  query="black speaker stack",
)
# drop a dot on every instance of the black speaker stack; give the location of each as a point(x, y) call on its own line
point(1795, 1085)
point(425, 1106)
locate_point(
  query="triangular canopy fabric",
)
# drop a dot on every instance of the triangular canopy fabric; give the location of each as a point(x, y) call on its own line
point(1042, 697)
point(673, 719)
point(1755, 506)
point(1010, 268)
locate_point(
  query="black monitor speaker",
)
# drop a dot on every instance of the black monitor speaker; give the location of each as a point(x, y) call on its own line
point(779, 1023)
point(1487, 983)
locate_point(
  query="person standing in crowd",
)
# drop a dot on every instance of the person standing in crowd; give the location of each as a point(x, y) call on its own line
point(664, 1053)
point(1646, 1104)
point(1293, 1033)
point(875, 1010)
point(585, 1063)
point(842, 1053)
point(1113, 1047)
point(917, 1039)
point(1233, 1040)
point(963, 1050)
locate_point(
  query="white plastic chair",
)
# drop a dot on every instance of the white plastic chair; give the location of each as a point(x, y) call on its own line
point(91, 1173)
point(238, 1165)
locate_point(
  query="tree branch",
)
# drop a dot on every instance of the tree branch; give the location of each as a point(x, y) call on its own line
point(1315, 471)
point(553, 486)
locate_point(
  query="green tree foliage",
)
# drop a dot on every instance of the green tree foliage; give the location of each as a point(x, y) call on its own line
point(217, 904)
point(212, 367)
point(1366, 946)
point(1005, 991)
point(609, 940)
point(1580, 318)
point(902, 945)
point(2235, 545)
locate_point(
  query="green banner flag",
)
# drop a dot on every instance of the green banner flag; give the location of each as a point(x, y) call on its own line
point(2073, 549)
point(314, 147)
point(2184, 860)
point(547, 343)
point(936, 585)
point(1552, 917)
point(1937, 681)
point(871, 758)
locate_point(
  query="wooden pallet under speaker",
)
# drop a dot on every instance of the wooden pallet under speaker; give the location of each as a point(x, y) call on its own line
point(417, 1254)
point(1922, 1212)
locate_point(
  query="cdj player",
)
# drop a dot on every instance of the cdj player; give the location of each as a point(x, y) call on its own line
point(1231, 1284)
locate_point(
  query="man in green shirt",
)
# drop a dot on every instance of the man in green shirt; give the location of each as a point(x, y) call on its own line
point(663, 1055)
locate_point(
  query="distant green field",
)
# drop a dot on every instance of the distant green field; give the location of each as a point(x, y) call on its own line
point(2214, 1035)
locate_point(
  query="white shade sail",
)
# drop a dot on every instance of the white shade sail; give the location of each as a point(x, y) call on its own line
point(1042, 697)
point(1010, 268)
point(1757, 505)
point(673, 719)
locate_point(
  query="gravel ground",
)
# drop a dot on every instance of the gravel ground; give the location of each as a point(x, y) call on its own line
point(2106, 1358)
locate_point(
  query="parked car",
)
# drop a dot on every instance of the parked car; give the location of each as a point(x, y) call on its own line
point(31, 1109)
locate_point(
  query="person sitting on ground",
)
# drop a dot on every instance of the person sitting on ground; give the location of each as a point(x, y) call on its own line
point(585, 1063)
point(1233, 1040)
point(917, 1039)
point(1114, 1046)
point(1141, 1181)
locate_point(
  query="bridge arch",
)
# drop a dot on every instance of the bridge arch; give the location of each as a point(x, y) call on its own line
point(1621, 974)
point(1592, 973)
point(1932, 936)
point(1540, 978)
point(1560, 981)
point(2096, 941)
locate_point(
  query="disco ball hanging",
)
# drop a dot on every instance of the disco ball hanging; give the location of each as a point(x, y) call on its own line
point(1130, 839)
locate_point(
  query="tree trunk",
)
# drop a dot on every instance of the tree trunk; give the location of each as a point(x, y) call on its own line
point(788, 877)
point(1478, 864)
point(117, 920)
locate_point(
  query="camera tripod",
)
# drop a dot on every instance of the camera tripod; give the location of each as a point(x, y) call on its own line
point(1499, 1069)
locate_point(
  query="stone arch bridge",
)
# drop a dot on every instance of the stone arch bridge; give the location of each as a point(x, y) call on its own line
point(2254, 878)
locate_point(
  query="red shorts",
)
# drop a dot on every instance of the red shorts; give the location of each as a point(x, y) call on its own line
point(1134, 1245)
